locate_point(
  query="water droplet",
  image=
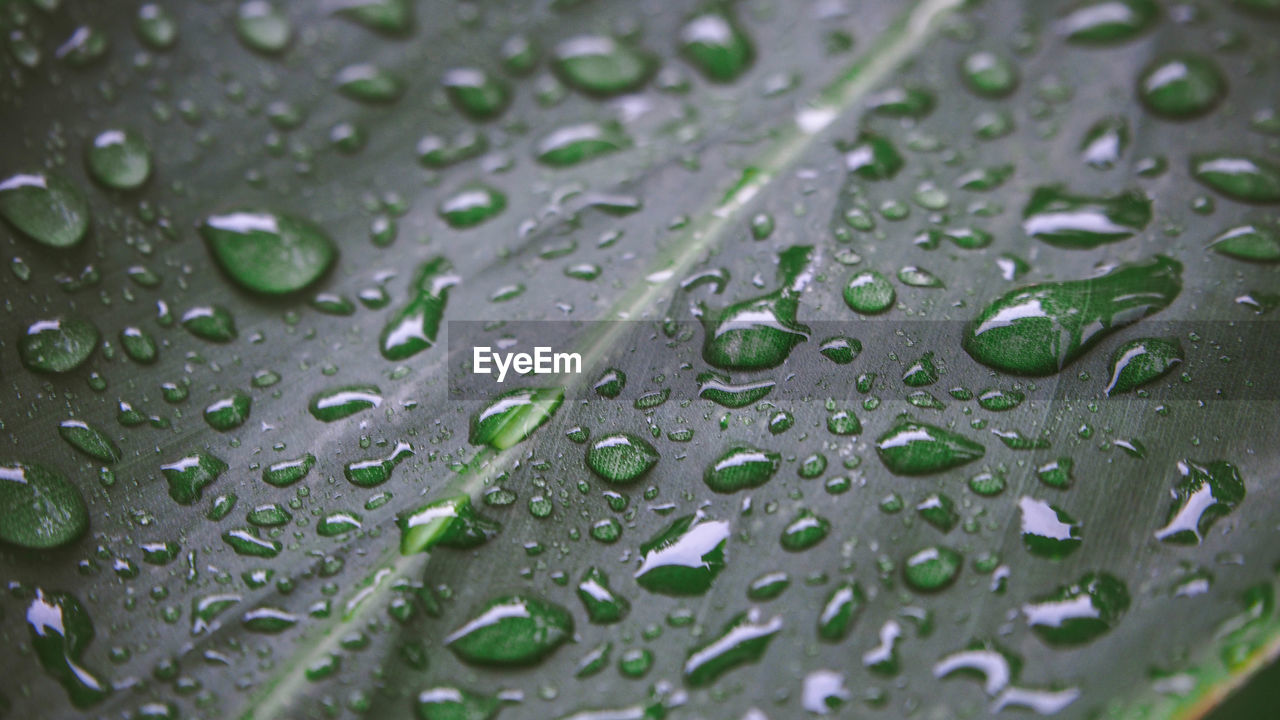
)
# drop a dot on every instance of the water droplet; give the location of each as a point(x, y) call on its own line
point(714, 44)
point(1239, 177)
point(840, 611)
point(156, 27)
point(267, 252)
point(60, 631)
point(1104, 22)
point(743, 641)
point(768, 586)
point(263, 27)
point(43, 509)
point(1078, 613)
point(871, 157)
point(228, 413)
point(621, 457)
point(476, 93)
point(1181, 86)
point(912, 448)
point(1048, 531)
point(684, 558)
point(449, 522)
point(47, 208)
point(513, 416)
point(414, 327)
point(451, 703)
point(340, 402)
point(883, 658)
point(1205, 493)
point(188, 476)
point(513, 630)
point(916, 276)
point(59, 345)
point(1039, 329)
point(574, 144)
point(602, 604)
point(390, 17)
point(988, 74)
point(269, 620)
point(89, 440)
point(741, 468)
point(718, 389)
point(840, 350)
point(939, 511)
point(472, 205)
point(600, 65)
point(804, 531)
point(760, 333)
point(369, 84)
point(910, 102)
point(374, 472)
point(1105, 142)
point(932, 569)
point(869, 292)
point(1079, 221)
point(997, 400)
point(1141, 361)
point(247, 542)
point(212, 323)
point(119, 159)
point(1252, 243)
point(337, 523)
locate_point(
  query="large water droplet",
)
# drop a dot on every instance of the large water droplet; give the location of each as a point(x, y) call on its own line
point(684, 558)
point(1103, 22)
point(47, 208)
point(513, 630)
point(1080, 612)
point(714, 43)
point(1252, 243)
point(119, 159)
point(1239, 177)
point(472, 205)
point(42, 509)
point(1048, 531)
point(912, 448)
point(267, 252)
point(869, 293)
point(188, 476)
point(60, 631)
point(573, 144)
point(59, 345)
point(1205, 493)
point(621, 457)
point(932, 569)
point(513, 416)
point(1141, 361)
point(988, 74)
point(89, 440)
point(414, 327)
point(476, 93)
point(1182, 86)
point(741, 468)
point(743, 640)
point(340, 402)
point(600, 65)
point(263, 27)
point(1073, 221)
point(1039, 329)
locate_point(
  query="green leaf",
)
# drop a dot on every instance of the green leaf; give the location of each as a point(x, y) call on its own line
point(926, 358)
